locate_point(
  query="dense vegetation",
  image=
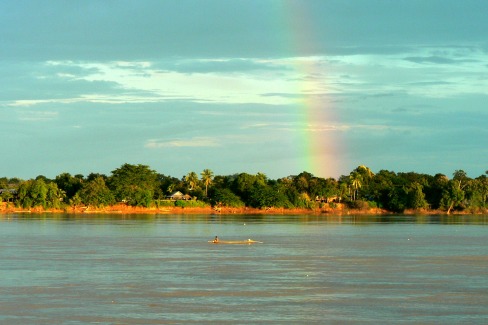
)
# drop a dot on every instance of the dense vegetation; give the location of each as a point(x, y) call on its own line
point(138, 185)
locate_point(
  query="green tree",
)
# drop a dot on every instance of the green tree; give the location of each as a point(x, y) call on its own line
point(243, 184)
point(54, 196)
point(75, 200)
point(95, 193)
point(435, 190)
point(6, 195)
point(482, 187)
point(43, 178)
point(380, 186)
point(344, 188)
point(286, 185)
point(167, 184)
point(225, 197)
point(476, 193)
point(461, 178)
point(92, 176)
point(192, 180)
point(207, 177)
point(397, 199)
point(302, 182)
point(24, 199)
point(3, 182)
point(356, 183)
point(38, 193)
point(264, 196)
point(416, 197)
point(133, 183)
point(366, 175)
point(452, 196)
point(69, 184)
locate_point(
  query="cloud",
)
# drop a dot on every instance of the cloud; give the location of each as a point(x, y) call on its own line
point(285, 95)
point(37, 116)
point(298, 126)
point(135, 30)
point(437, 60)
point(218, 65)
point(68, 69)
point(430, 83)
point(178, 143)
point(31, 81)
point(415, 109)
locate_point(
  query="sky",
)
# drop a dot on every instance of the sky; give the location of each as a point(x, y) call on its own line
point(277, 87)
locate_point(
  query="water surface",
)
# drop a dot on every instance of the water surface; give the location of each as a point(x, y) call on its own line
point(60, 269)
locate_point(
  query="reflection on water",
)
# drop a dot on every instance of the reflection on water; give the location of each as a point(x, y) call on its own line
point(310, 269)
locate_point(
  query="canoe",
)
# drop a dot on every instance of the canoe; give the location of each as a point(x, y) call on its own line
point(237, 242)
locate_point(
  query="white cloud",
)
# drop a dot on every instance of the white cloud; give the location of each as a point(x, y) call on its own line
point(192, 142)
point(282, 81)
point(37, 116)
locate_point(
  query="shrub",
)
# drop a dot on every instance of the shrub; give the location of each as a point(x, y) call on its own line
point(359, 205)
point(165, 203)
point(190, 204)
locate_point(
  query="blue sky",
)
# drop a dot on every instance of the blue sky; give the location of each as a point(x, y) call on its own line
point(86, 86)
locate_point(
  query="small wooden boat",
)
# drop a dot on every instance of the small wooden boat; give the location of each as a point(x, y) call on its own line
point(236, 242)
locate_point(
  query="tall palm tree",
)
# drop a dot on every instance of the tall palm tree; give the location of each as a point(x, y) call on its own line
point(192, 179)
point(356, 184)
point(207, 177)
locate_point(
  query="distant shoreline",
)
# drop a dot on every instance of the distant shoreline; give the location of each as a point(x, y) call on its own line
point(130, 210)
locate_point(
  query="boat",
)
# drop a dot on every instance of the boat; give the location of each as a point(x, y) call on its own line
point(236, 242)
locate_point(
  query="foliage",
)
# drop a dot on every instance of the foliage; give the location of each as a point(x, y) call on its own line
point(263, 196)
point(244, 184)
point(134, 184)
point(359, 205)
point(164, 203)
point(190, 204)
point(69, 184)
point(138, 185)
point(452, 196)
point(192, 180)
point(95, 193)
point(207, 177)
point(356, 182)
point(225, 197)
point(415, 196)
point(3, 182)
point(38, 193)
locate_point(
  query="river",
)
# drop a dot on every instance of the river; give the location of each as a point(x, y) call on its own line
point(103, 269)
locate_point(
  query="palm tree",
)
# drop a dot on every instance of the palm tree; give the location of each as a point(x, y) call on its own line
point(191, 178)
point(356, 184)
point(207, 176)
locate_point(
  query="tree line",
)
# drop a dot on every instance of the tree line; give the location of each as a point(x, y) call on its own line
point(139, 185)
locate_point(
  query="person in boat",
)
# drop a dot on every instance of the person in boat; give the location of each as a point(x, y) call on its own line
point(216, 239)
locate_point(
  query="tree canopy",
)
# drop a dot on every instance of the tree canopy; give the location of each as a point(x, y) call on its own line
point(139, 185)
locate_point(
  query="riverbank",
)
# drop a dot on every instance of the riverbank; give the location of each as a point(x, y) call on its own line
point(339, 209)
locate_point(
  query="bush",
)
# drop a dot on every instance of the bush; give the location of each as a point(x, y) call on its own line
point(190, 204)
point(359, 205)
point(372, 204)
point(164, 203)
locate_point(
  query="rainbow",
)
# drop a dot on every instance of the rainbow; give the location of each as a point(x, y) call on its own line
point(319, 140)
